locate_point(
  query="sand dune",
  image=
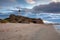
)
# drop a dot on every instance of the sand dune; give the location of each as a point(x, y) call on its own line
point(17, 31)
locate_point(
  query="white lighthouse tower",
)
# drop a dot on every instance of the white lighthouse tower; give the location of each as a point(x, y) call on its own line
point(19, 10)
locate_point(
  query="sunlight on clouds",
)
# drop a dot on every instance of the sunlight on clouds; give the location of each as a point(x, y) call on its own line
point(37, 2)
point(47, 21)
point(55, 0)
point(30, 1)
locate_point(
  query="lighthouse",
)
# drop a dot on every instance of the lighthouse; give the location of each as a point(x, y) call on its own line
point(19, 10)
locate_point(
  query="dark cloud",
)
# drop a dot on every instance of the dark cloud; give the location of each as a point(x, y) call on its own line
point(4, 3)
point(51, 8)
point(13, 3)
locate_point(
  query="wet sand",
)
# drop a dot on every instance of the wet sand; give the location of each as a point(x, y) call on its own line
point(17, 31)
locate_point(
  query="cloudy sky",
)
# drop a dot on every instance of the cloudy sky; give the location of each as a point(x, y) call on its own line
point(7, 5)
point(23, 3)
point(41, 5)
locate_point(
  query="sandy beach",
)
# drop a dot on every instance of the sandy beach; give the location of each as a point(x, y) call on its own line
point(15, 31)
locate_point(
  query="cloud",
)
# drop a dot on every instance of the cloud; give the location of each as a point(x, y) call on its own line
point(54, 16)
point(51, 8)
point(7, 2)
point(30, 1)
point(13, 0)
point(47, 21)
point(0, 7)
point(55, 0)
point(37, 2)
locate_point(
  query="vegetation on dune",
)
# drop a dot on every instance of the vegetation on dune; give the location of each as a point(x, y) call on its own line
point(20, 19)
point(3, 21)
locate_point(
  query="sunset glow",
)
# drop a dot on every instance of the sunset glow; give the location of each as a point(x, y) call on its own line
point(30, 1)
point(55, 0)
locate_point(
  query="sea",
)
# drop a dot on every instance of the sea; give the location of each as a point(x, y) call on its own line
point(57, 27)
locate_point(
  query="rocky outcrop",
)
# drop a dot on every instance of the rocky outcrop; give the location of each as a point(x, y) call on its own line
point(21, 19)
